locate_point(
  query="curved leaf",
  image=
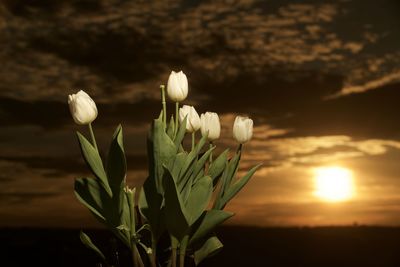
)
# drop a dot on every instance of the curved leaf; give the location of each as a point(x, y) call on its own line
point(202, 161)
point(175, 213)
point(150, 205)
point(171, 128)
point(237, 186)
point(198, 199)
point(218, 166)
point(190, 160)
point(233, 166)
point(210, 247)
point(226, 179)
point(116, 161)
point(161, 151)
point(92, 158)
point(89, 244)
point(178, 163)
point(181, 133)
point(210, 220)
point(88, 192)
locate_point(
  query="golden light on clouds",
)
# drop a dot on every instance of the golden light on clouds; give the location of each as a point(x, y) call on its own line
point(334, 184)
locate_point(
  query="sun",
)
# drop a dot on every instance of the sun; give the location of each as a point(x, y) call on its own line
point(334, 184)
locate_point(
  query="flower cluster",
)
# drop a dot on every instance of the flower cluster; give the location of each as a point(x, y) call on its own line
point(208, 122)
point(186, 192)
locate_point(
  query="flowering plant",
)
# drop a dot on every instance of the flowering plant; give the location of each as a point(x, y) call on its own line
point(185, 193)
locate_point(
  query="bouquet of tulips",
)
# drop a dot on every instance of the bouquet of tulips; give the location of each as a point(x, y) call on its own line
point(185, 193)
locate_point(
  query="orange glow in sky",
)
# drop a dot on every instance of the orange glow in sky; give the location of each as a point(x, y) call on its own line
point(334, 184)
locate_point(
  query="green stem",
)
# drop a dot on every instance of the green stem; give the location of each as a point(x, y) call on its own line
point(135, 257)
point(174, 247)
point(164, 105)
point(92, 136)
point(176, 118)
point(137, 260)
point(173, 257)
point(153, 251)
point(182, 250)
point(193, 139)
point(182, 260)
point(211, 145)
point(239, 150)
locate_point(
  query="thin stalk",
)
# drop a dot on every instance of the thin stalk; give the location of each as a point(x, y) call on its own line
point(135, 257)
point(239, 150)
point(182, 259)
point(164, 105)
point(174, 246)
point(182, 250)
point(137, 260)
point(176, 118)
point(92, 136)
point(153, 251)
point(211, 145)
point(193, 139)
point(173, 257)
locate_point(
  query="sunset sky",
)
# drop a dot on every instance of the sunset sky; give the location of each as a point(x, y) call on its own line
point(321, 80)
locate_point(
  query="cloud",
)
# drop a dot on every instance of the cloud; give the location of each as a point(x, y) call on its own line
point(372, 73)
point(59, 52)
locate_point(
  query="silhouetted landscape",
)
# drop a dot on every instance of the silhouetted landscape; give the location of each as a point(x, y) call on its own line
point(243, 246)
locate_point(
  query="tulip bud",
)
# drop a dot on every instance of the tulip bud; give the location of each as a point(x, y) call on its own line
point(83, 109)
point(243, 129)
point(210, 124)
point(193, 119)
point(177, 87)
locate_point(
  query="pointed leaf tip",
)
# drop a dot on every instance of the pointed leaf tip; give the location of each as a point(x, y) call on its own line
point(89, 244)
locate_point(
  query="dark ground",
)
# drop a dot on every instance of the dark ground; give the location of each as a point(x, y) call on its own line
point(244, 246)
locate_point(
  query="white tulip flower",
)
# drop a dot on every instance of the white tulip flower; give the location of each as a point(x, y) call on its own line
point(193, 120)
point(177, 87)
point(83, 109)
point(243, 129)
point(210, 124)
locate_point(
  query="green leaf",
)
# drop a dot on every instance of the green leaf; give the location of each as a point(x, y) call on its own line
point(150, 205)
point(232, 169)
point(178, 163)
point(200, 144)
point(92, 158)
point(125, 213)
point(202, 161)
point(237, 186)
point(226, 179)
point(210, 247)
point(116, 173)
point(130, 196)
point(208, 222)
point(184, 175)
point(161, 151)
point(181, 133)
point(88, 192)
point(218, 166)
point(171, 128)
point(121, 235)
point(175, 213)
point(198, 176)
point(199, 198)
point(116, 161)
point(89, 244)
